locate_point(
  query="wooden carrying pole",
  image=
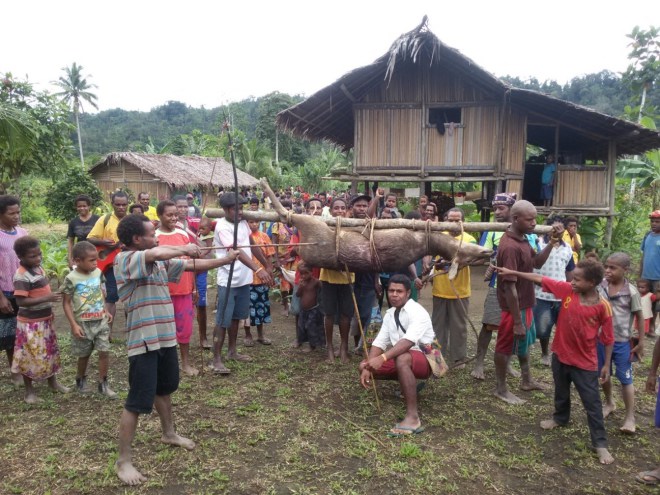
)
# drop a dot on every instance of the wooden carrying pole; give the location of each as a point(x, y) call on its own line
point(395, 223)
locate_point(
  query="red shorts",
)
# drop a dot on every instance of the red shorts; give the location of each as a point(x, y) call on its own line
point(420, 367)
point(506, 343)
point(183, 317)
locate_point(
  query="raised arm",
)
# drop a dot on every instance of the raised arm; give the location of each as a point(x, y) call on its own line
point(534, 277)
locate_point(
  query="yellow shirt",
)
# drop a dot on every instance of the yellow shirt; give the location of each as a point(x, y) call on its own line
point(107, 232)
point(335, 277)
point(571, 242)
point(442, 287)
point(151, 213)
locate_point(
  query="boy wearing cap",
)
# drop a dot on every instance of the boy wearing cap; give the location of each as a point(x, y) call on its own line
point(238, 300)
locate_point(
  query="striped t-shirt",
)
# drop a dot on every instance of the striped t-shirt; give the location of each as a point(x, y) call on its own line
point(143, 289)
point(32, 283)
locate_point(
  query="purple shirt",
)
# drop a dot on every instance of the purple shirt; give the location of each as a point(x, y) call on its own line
point(8, 259)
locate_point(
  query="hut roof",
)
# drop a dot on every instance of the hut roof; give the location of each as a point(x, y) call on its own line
point(328, 113)
point(181, 171)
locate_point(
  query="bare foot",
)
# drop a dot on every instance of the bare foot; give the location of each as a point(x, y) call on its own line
point(128, 474)
point(205, 344)
point(295, 344)
point(17, 380)
point(549, 424)
point(248, 342)
point(239, 357)
point(58, 387)
point(509, 398)
point(458, 366)
point(32, 398)
point(545, 360)
point(190, 371)
point(179, 441)
point(628, 426)
point(331, 356)
point(604, 455)
point(305, 347)
point(532, 385)
point(336, 353)
point(512, 372)
point(478, 373)
point(608, 408)
point(343, 355)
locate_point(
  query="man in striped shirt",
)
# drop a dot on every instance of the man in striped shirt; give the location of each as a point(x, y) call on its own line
point(142, 272)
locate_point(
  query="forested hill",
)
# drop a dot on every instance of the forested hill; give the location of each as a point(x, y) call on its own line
point(156, 130)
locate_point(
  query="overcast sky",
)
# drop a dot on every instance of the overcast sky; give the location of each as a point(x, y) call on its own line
point(143, 53)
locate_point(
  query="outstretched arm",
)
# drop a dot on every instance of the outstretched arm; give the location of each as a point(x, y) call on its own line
point(534, 277)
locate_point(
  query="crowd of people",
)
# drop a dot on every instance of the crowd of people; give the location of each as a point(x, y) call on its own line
point(155, 260)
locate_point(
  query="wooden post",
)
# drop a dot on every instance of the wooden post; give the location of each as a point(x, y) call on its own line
point(611, 176)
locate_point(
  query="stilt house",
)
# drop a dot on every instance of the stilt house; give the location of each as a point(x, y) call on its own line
point(424, 112)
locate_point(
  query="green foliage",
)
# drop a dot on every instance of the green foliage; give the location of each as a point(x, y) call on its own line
point(45, 120)
point(60, 200)
point(33, 190)
point(54, 260)
point(643, 73)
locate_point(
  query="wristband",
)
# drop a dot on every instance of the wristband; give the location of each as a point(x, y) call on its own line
point(258, 269)
point(384, 357)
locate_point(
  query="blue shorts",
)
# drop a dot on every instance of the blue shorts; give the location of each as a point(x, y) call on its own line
point(545, 317)
point(111, 294)
point(620, 359)
point(238, 305)
point(200, 281)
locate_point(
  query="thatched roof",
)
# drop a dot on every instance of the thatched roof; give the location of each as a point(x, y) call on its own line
point(181, 171)
point(328, 113)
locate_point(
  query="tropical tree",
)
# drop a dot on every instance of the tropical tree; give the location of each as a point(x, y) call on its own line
point(34, 132)
point(75, 90)
point(329, 160)
point(255, 158)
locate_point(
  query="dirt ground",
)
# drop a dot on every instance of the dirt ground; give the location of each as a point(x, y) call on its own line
point(287, 423)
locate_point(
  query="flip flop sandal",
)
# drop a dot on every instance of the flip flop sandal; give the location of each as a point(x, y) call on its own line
point(221, 371)
point(641, 478)
point(405, 431)
point(248, 343)
point(264, 341)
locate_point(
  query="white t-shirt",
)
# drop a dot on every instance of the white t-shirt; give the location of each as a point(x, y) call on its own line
point(224, 236)
point(416, 322)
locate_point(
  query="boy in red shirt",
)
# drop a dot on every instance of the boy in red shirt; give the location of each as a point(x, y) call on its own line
point(582, 313)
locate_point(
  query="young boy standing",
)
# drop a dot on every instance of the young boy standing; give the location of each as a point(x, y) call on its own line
point(310, 333)
point(626, 305)
point(82, 300)
point(143, 271)
point(583, 312)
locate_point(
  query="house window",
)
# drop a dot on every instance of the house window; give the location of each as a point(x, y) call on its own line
point(439, 117)
point(444, 116)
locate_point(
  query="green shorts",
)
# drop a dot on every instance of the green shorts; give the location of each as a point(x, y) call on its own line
point(97, 336)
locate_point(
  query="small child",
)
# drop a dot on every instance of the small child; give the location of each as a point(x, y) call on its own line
point(648, 298)
point(36, 354)
point(626, 304)
point(82, 300)
point(310, 332)
point(205, 238)
point(259, 301)
point(583, 312)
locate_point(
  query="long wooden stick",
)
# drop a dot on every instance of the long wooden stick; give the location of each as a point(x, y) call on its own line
point(261, 245)
point(395, 223)
point(359, 322)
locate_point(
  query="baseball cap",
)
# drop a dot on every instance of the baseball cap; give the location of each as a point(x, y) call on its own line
point(228, 199)
point(655, 214)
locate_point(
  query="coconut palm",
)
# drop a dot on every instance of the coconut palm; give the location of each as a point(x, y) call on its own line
point(75, 90)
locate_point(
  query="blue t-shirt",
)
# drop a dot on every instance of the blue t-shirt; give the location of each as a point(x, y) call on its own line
point(651, 250)
point(548, 173)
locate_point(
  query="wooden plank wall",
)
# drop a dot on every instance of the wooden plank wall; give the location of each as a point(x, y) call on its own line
point(406, 137)
point(373, 127)
point(582, 187)
point(514, 185)
point(514, 143)
point(480, 136)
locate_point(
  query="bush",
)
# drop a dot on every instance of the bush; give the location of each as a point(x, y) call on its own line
point(60, 201)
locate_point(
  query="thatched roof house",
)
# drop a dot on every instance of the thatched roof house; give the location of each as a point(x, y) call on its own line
point(162, 175)
point(425, 112)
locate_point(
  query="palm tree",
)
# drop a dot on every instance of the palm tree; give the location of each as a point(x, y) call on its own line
point(75, 89)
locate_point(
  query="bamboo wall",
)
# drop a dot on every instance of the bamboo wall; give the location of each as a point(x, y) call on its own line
point(514, 185)
point(515, 137)
point(582, 187)
point(131, 178)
